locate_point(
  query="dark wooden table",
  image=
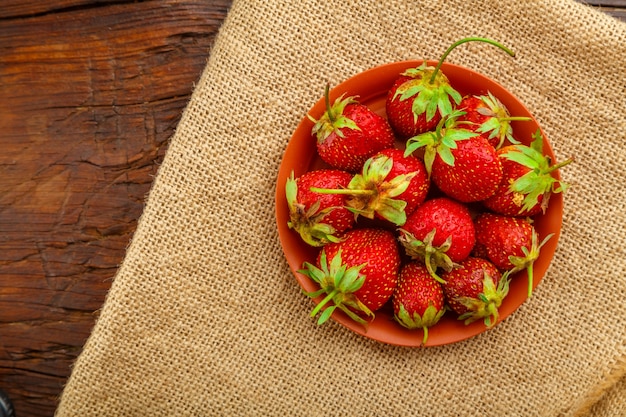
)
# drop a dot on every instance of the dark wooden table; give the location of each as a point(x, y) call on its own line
point(90, 93)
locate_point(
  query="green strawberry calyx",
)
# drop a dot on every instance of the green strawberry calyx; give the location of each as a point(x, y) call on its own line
point(538, 181)
point(441, 141)
point(430, 91)
point(499, 122)
point(416, 321)
point(339, 283)
point(528, 260)
point(370, 192)
point(433, 256)
point(333, 120)
point(308, 222)
point(486, 305)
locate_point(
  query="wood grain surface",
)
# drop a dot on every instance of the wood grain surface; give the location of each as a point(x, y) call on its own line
point(91, 91)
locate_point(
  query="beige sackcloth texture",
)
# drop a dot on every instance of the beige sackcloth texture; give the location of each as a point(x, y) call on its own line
point(205, 318)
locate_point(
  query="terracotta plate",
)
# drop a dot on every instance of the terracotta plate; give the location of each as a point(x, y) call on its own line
point(300, 156)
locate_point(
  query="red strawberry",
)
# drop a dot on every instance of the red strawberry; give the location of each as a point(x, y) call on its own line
point(440, 233)
point(420, 96)
point(358, 274)
point(510, 243)
point(389, 187)
point(462, 163)
point(318, 218)
point(527, 180)
point(475, 290)
point(348, 133)
point(416, 192)
point(415, 104)
point(489, 117)
point(475, 175)
point(418, 301)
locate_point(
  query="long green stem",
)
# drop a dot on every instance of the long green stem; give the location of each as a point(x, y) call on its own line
point(529, 271)
point(559, 165)
point(515, 119)
point(325, 301)
point(344, 191)
point(327, 102)
point(461, 41)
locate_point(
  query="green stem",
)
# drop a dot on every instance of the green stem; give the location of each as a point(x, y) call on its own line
point(425, 338)
point(343, 191)
point(429, 267)
point(492, 318)
point(327, 102)
point(515, 119)
point(461, 41)
point(322, 303)
point(438, 128)
point(559, 165)
point(353, 315)
point(529, 271)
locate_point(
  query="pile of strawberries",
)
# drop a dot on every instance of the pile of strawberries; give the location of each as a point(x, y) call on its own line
point(438, 223)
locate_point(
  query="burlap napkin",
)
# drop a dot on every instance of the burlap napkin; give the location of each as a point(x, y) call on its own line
point(204, 316)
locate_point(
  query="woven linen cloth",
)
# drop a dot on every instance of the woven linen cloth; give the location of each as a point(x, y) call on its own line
point(204, 316)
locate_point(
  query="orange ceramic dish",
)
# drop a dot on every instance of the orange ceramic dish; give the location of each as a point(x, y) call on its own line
point(371, 87)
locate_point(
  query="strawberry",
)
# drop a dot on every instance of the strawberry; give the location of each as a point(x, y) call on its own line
point(418, 301)
point(475, 174)
point(358, 274)
point(489, 117)
point(421, 96)
point(416, 192)
point(462, 163)
point(527, 181)
point(349, 132)
point(440, 233)
point(510, 243)
point(318, 218)
point(416, 101)
point(475, 290)
point(389, 187)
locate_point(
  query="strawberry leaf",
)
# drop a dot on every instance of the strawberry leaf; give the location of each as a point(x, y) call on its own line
point(525, 156)
point(424, 250)
point(456, 135)
point(339, 283)
point(446, 155)
point(539, 180)
point(333, 120)
point(308, 222)
point(491, 126)
point(393, 210)
point(371, 193)
point(409, 91)
point(291, 192)
point(326, 314)
point(423, 140)
point(428, 96)
point(431, 105)
point(398, 184)
point(486, 305)
point(441, 141)
point(414, 321)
